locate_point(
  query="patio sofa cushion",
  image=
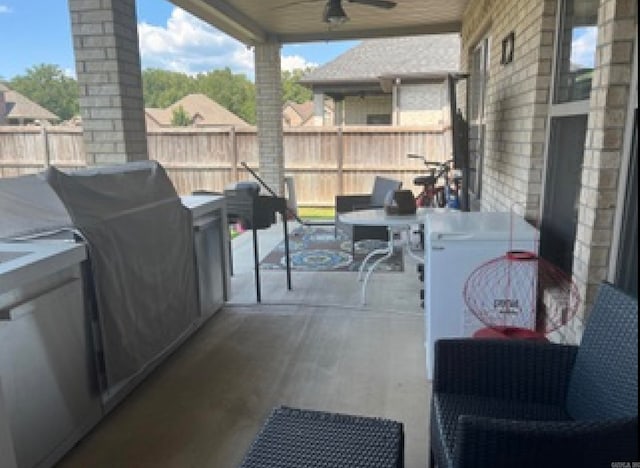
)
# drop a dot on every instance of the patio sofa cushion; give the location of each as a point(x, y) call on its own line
point(506, 403)
point(296, 438)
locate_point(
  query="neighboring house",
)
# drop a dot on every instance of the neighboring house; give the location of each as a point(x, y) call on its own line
point(15, 109)
point(390, 81)
point(302, 114)
point(204, 112)
point(297, 114)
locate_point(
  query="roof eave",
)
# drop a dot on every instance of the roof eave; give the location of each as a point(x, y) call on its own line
point(346, 34)
point(226, 18)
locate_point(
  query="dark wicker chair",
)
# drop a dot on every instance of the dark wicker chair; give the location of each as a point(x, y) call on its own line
point(346, 203)
point(518, 403)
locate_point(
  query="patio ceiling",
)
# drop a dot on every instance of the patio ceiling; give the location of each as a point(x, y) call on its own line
point(289, 21)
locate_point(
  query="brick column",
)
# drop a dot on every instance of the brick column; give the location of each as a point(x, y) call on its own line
point(269, 115)
point(105, 42)
point(603, 154)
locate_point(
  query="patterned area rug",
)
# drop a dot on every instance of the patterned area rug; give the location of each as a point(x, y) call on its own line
point(315, 248)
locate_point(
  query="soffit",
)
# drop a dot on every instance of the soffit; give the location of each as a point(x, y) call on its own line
point(291, 21)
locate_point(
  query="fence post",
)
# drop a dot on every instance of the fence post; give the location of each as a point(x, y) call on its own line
point(45, 142)
point(234, 152)
point(340, 161)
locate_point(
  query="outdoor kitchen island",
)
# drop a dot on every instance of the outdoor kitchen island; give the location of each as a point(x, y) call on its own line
point(211, 246)
point(103, 274)
point(47, 376)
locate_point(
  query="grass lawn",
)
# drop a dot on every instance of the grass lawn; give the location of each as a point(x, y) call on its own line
point(324, 212)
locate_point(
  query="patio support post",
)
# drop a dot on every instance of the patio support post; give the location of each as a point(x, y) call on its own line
point(107, 56)
point(318, 109)
point(395, 102)
point(269, 114)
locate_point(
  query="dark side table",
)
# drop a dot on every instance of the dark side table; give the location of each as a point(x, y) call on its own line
point(296, 438)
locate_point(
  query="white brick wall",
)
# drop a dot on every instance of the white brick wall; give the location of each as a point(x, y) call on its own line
point(269, 115)
point(109, 78)
point(517, 105)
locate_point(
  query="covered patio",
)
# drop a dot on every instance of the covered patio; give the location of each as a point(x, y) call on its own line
point(315, 346)
point(312, 347)
point(521, 93)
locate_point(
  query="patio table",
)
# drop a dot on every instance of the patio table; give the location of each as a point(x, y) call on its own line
point(394, 224)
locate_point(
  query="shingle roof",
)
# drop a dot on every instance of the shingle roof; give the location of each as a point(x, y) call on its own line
point(399, 56)
point(304, 110)
point(20, 107)
point(160, 117)
point(210, 112)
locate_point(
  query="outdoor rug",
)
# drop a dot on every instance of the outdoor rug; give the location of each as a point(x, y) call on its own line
point(315, 248)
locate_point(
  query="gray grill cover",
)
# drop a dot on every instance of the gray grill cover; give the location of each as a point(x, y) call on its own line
point(140, 240)
point(28, 207)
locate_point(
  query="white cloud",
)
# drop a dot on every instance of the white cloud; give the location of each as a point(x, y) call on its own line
point(583, 46)
point(189, 45)
point(292, 62)
point(4, 9)
point(70, 73)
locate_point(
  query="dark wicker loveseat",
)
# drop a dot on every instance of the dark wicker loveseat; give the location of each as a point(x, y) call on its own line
point(519, 404)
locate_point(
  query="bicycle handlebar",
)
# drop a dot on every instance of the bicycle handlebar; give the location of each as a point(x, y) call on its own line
point(442, 164)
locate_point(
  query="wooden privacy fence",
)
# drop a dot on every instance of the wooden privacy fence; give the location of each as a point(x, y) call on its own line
point(323, 161)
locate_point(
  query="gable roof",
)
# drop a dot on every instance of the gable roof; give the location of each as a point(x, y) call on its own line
point(210, 113)
point(18, 106)
point(159, 116)
point(304, 109)
point(412, 56)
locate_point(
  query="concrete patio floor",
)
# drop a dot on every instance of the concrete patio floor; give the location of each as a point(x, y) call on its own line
point(312, 347)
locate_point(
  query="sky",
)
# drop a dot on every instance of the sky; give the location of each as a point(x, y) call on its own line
point(583, 46)
point(39, 31)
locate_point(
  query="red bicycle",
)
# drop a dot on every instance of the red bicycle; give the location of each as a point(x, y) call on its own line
point(433, 195)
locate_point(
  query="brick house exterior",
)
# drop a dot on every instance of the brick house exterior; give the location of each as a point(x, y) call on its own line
point(519, 119)
point(389, 81)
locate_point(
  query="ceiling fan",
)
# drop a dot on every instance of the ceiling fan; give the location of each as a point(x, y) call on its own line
point(334, 14)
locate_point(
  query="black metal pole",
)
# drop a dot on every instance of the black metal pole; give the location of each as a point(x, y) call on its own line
point(286, 249)
point(256, 260)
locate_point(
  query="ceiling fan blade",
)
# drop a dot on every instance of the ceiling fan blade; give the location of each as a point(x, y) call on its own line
point(388, 4)
point(295, 2)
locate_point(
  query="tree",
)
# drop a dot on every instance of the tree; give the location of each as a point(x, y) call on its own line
point(161, 88)
point(180, 117)
point(233, 91)
point(48, 86)
point(292, 90)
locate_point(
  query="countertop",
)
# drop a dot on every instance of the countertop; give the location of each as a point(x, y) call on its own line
point(202, 204)
point(24, 262)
